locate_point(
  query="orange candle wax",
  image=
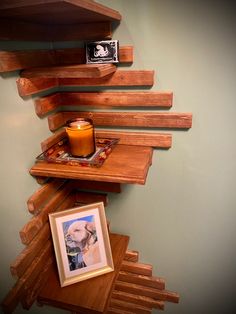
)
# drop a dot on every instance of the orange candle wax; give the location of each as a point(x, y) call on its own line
point(81, 137)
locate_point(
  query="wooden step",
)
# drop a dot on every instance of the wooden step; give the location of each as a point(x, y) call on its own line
point(119, 167)
point(124, 119)
point(103, 100)
point(70, 71)
point(20, 30)
point(119, 78)
point(149, 139)
point(24, 59)
point(55, 20)
point(57, 11)
point(97, 290)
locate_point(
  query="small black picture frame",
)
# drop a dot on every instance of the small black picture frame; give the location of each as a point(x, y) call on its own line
point(105, 51)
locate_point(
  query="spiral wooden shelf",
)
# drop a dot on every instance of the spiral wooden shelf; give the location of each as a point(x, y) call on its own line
point(132, 287)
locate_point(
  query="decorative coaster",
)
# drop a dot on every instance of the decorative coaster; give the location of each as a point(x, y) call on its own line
point(60, 153)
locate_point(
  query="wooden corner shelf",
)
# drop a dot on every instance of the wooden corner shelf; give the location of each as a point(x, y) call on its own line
point(90, 296)
point(71, 71)
point(120, 78)
point(126, 164)
point(57, 11)
point(25, 59)
point(52, 20)
point(131, 288)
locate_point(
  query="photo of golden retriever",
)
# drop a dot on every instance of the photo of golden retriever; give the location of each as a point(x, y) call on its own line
point(82, 244)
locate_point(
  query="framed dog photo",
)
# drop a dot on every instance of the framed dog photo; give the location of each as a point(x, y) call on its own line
point(81, 243)
point(105, 51)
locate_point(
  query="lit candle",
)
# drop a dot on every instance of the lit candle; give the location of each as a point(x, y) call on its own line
point(81, 137)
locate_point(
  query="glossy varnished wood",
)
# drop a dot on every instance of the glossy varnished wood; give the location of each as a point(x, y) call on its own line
point(126, 164)
point(44, 194)
point(90, 296)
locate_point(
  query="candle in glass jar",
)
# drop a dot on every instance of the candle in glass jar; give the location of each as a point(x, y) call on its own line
point(81, 137)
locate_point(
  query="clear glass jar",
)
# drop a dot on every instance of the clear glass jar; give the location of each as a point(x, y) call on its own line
point(81, 136)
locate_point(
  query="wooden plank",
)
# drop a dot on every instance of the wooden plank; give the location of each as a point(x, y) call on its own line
point(32, 228)
point(118, 99)
point(25, 258)
point(155, 140)
point(137, 299)
point(97, 290)
point(118, 311)
point(90, 197)
point(117, 168)
point(147, 281)
point(77, 55)
point(46, 104)
point(155, 294)
point(42, 180)
point(149, 139)
point(52, 140)
point(32, 292)
point(9, 30)
point(57, 120)
point(18, 291)
point(17, 60)
point(28, 87)
point(24, 59)
point(119, 78)
point(97, 186)
point(134, 308)
point(103, 100)
point(125, 119)
point(38, 265)
point(41, 196)
point(131, 256)
point(70, 71)
point(57, 11)
point(80, 31)
point(137, 268)
point(126, 54)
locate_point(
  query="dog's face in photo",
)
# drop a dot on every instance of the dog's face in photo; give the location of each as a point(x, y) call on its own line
point(82, 245)
point(79, 233)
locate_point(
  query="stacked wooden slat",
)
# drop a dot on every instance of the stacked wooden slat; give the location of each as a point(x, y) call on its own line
point(21, 59)
point(103, 100)
point(136, 290)
point(70, 71)
point(33, 264)
point(132, 146)
point(121, 78)
point(55, 20)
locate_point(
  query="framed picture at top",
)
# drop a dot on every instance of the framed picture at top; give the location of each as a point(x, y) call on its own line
point(105, 51)
point(81, 243)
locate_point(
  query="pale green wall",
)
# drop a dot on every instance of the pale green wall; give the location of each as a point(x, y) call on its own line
point(183, 221)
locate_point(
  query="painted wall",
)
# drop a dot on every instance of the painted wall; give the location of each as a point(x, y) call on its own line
point(183, 220)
